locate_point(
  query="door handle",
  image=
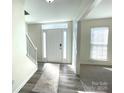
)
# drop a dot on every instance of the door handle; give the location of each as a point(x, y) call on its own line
point(60, 46)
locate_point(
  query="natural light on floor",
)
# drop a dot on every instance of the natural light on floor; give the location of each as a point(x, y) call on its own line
point(110, 69)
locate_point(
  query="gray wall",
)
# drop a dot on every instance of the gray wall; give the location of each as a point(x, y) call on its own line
point(84, 48)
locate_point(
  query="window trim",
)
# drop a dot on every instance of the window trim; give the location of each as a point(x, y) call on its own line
point(92, 59)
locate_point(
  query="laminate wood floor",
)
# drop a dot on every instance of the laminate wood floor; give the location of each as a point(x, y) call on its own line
point(92, 79)
point(68, 81)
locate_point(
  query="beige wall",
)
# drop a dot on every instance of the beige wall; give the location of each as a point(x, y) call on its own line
point(22, 67)
point(35, 33)
point(84, 48)
point(69, 42)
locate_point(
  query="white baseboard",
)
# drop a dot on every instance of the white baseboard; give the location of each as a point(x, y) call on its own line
point(25, 81)
point(92, 62)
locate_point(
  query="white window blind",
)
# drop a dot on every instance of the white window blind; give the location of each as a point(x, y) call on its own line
point(99, 43)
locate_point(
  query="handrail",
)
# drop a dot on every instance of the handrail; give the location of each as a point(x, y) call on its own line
point(31, 49)
point(31, 41)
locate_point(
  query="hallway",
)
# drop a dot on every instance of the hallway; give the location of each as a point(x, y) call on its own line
point(68, 81)
point(74, 32)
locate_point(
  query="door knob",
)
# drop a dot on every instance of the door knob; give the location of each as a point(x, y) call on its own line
point(60, 44)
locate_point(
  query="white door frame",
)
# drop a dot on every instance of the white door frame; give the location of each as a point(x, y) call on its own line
point(63, 50)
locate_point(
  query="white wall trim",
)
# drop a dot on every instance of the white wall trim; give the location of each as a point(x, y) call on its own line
point(25, 81)
point(92, 62)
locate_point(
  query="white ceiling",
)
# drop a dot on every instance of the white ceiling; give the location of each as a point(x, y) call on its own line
point(103, 10)
point(60, 10)
point(65, 10)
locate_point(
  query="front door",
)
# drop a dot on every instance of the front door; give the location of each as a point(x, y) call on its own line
point(54, 45)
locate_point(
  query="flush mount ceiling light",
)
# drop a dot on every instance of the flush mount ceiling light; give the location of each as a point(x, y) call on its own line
point(49, 1)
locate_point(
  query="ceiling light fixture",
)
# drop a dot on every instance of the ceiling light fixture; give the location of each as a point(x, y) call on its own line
point(49, 1)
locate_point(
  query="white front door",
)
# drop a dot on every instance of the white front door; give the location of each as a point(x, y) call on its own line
point(54, 45)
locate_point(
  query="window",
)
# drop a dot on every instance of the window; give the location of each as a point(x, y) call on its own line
point(44, 44)
point(55, 26)
point(64, 45)
point(99, 43)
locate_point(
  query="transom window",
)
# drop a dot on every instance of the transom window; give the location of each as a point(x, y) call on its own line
point(55, 26)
